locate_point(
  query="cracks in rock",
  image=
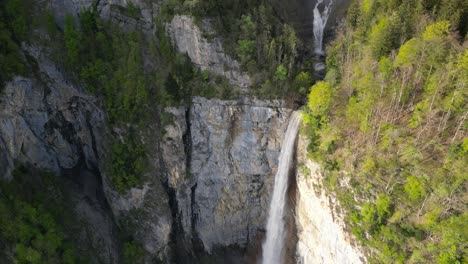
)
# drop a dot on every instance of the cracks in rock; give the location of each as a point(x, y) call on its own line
point(187, 139)
point(66, 129)
point(194, 216)
point(93, 138)
point(181, 246)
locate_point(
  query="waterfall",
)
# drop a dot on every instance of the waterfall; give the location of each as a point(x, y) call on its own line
point(275, 231)
point(320, 22)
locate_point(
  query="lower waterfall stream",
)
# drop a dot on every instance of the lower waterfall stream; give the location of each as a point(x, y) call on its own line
point(275, 230)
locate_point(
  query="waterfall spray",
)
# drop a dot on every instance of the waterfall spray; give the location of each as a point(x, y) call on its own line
point(275, 231)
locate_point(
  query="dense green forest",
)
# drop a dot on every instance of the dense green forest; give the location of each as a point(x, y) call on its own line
point(389, 125)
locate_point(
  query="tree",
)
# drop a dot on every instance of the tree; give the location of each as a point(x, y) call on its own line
point(11, 62)
point(320, 98)
point(246, 44)
point(302, 82)
point(246, 50)
point(19, 17)
point(247, 28)
point(384, 37)
point(436, 30)
point(414, 188)
point(408, 53)
point(281, 73)
point(72, 40)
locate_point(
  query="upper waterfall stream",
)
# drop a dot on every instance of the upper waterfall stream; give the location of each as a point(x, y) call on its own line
point(275, 231)
point(320, 22)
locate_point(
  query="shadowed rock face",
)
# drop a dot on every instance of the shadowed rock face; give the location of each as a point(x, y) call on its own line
point(46, 123)
point(115, 10)
point(223, 191)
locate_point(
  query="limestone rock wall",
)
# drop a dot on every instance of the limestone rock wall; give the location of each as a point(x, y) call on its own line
point(49, 124)
point(115, 10)
point(231, 155)
point(207, 55)
point(322, 237)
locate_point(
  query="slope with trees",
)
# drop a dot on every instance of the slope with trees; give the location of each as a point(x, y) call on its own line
point(389, 125)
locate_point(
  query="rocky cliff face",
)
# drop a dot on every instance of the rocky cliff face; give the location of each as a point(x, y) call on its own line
point(231, 152)
point(49, 124)
point(207, 55)
point(322, 236)
point(115, 10)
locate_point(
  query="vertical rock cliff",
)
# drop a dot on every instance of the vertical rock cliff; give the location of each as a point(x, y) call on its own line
point(207, 55)
point(231, 149)
point(322, 234)
point(47, 123)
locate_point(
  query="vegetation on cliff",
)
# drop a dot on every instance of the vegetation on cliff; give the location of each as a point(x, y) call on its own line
point(253, 33)
point(13, 27)
point(37, 223)
point(389, 124)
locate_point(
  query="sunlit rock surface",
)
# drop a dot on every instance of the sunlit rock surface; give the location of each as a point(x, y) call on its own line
point(322, 237)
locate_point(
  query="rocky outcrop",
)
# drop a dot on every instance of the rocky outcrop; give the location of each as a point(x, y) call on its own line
point(231, 153)
point(48, 124)
point(206, 55)
point(219, 159)
point(141, 16)
point(322, 236)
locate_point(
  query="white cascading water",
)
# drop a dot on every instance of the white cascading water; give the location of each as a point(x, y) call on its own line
point(320, 22)
point(275, 231)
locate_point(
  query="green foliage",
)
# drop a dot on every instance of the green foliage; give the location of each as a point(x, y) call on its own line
point(367, 5)
point(246, 50)
point(302, 82)
point(11, 62)
point(383, 206)
point(14, 27)
point(34, 222)
point(127, 163)
point(17, 13)
point(396, 124)
point(133, 252)
point(414, 188)
point(436, 30)
point(281, 73)
point(72, 40)
point(384, 37)
point(408, 53)
point(320, 97)
point(133, 10)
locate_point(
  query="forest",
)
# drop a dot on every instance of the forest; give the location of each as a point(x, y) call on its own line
point(389, 123)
